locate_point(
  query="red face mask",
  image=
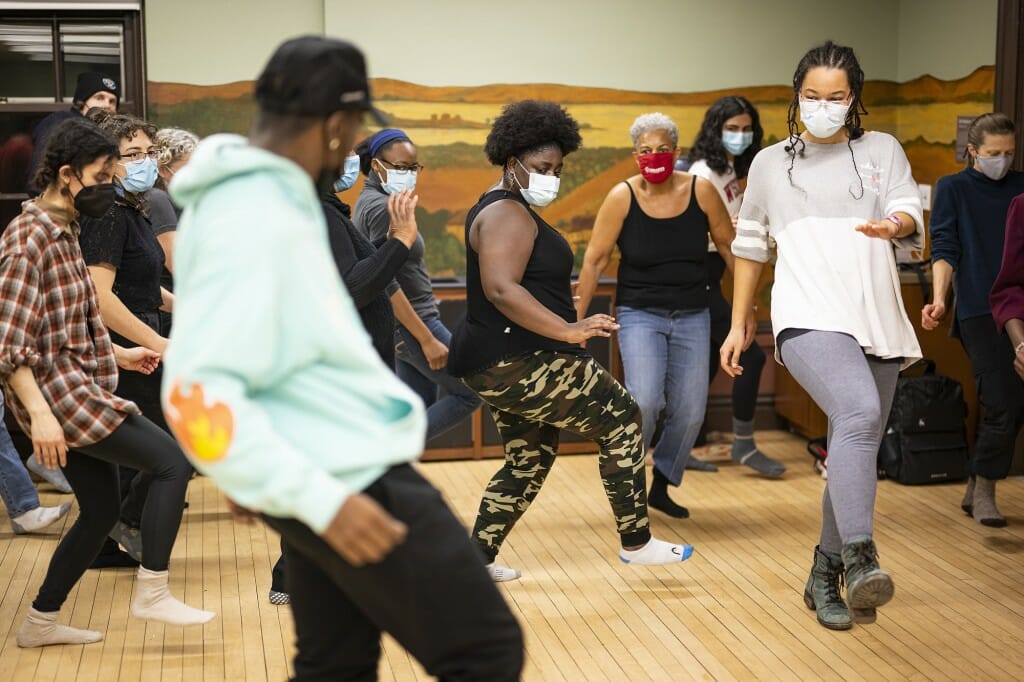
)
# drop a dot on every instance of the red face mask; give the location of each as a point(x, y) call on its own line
point(656, 167)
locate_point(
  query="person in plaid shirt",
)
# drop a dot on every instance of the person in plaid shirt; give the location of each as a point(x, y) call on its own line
point(59, 369)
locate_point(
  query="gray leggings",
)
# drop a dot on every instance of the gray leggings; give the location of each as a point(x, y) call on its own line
point(855, 391)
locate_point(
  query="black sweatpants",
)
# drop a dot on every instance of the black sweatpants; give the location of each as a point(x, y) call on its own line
point(92, 472)
point(431, 593)
point(1000, 393)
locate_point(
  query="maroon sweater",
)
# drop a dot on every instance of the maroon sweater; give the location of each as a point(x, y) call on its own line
point(1007, 297)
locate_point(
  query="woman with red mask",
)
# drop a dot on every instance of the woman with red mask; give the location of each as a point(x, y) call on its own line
point(660, 220)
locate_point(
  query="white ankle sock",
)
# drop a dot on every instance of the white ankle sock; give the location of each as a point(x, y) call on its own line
point(42, 629)
point(656, 552)
point(37, 518)
point(500, 574)
point(153, 601)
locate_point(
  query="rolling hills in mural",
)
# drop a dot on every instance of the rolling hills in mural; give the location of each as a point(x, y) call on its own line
point(450, 124)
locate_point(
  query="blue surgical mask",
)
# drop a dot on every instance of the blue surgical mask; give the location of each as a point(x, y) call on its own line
point(349, 174)
point(141, 175)
point(399, 180)
point(736, 142)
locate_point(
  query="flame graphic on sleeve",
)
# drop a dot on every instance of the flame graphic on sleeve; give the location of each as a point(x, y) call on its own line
point(204, 430)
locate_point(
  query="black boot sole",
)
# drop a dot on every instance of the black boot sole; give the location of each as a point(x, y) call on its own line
point(968, 509)
point(809, 603)
point(871, 592)
point(993, 523)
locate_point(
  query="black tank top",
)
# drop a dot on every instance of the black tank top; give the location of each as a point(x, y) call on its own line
point(486, 336)
point(664, 260)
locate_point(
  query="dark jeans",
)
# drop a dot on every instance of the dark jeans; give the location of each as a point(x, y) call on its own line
point(1000, 394)
point(412, 368)
point(92, 472)
point(431, 593)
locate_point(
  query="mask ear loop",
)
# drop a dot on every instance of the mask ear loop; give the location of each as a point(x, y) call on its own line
point(65, 190)
point(376, 171)
point(512, 175)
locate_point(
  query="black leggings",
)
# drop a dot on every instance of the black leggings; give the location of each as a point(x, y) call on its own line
point(144, 391)
point(92, 472)
point(746, 386)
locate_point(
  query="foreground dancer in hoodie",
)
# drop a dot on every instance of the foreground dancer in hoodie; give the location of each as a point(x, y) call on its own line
point(278, 395)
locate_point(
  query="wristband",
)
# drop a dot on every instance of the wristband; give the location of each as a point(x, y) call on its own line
point(1019, 348)
point(899, 223)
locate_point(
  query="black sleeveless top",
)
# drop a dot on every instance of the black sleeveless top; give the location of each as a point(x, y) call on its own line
point(664, 260)
point(485, 336)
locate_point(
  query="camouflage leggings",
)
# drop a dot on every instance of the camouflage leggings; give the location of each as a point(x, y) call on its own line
point(531, 399)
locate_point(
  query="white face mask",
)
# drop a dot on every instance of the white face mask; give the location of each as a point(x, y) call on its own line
point(542, 189)
point(822, 118)
point(399, 180)
point(994, 167)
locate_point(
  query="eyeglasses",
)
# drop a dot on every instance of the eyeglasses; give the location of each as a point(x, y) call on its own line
point(821, 103)
point(415, 168)
point(138, 156)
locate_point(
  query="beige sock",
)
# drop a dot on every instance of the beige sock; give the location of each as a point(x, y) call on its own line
point(153, 601)
point(42, 629)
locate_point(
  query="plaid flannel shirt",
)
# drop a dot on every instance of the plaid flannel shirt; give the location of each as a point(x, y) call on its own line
point(50, 321)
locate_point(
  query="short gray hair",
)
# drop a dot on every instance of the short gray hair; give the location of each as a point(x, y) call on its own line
point(174, 143)
point(647, 123)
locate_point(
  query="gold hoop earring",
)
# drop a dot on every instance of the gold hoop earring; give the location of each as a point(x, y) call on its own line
point(334, 144)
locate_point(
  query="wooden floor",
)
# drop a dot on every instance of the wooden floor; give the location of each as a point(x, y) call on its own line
point(733, 611)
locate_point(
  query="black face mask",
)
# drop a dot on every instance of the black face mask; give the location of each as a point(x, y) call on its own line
point(95, 200)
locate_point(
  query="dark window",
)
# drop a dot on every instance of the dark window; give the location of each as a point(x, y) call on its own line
point(41, 54)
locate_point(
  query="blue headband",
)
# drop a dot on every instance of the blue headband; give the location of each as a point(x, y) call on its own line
point(385, 136)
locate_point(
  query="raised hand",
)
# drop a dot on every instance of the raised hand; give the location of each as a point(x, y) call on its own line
point(402, 210)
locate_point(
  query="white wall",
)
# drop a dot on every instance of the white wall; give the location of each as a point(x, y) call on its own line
point(208, 42)
point(945, 38)
point(656, 45)
point(650, 45)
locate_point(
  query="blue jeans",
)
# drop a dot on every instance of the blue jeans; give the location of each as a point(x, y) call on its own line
point(412, 368)
point(16, 488)
point(665, 359)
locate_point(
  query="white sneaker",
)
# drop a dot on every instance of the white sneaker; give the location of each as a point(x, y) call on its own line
point(501, 574)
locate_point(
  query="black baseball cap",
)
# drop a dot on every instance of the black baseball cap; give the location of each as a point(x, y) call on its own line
point(315, 76)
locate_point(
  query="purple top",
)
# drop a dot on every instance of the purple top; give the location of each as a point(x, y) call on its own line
point(1007, 297)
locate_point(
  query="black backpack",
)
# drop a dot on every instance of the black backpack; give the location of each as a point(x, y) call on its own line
point(925, 438)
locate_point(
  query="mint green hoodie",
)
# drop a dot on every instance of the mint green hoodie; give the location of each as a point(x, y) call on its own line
point(270, 381)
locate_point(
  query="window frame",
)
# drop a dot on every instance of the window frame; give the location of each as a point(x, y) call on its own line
point(1009, 91)
point(133, 61)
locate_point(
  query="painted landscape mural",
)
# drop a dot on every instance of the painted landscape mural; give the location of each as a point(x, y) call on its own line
point(449, 125)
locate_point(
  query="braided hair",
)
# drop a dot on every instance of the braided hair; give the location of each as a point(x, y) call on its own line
point(830, 56)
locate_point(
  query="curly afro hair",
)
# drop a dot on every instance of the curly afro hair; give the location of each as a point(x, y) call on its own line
point(76, 142)
point(529, 125)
